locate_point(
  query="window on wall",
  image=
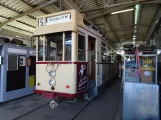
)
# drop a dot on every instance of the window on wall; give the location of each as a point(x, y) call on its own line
point(54, 47)
point(81, 48)
point(68, 48)
point(40, 48)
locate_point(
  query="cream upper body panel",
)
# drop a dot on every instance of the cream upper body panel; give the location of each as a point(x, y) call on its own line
point(65, 75)
point(59, 22)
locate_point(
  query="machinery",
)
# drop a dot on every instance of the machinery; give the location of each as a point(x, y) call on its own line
point(140, 88)
point(17, 71)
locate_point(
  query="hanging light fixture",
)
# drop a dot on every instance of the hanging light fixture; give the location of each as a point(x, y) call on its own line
point(121, 11)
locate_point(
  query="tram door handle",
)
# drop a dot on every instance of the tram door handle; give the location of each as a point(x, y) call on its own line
point(98, 72)
point(89, 62)
point(0, 60)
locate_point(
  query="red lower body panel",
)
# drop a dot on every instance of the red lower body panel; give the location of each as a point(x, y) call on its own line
point(54, 94)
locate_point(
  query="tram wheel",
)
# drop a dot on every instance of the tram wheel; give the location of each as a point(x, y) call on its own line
point(53, 104)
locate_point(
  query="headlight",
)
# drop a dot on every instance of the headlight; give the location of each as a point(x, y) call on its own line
point(52, 82)
point(51, 73)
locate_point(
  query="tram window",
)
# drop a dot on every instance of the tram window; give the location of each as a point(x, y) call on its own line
point(68, 43)
point(54, 47)
point(103, 52)
point(103, 58)
point(81, 48)
point(40, 50)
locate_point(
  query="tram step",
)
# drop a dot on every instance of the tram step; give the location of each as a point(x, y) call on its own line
point(91, 83)
point(92, 90)
point(92, 93)
point(90, 97)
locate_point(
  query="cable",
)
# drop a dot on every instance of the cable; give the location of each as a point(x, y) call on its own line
point(52, 67)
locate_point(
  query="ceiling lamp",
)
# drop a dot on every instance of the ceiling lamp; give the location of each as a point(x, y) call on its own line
point(121, 11)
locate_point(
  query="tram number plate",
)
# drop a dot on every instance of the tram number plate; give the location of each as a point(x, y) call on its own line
point(41, 22)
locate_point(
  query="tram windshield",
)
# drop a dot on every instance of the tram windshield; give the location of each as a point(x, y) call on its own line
point(57, 47)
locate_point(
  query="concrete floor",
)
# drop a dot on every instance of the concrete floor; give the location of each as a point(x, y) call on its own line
point(106, 106)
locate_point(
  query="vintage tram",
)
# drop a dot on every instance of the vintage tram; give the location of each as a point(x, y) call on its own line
point(71, 57)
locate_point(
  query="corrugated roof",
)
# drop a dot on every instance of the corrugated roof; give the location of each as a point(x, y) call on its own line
point(119, 27)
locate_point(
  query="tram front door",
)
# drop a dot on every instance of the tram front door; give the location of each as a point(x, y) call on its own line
point(91, 59)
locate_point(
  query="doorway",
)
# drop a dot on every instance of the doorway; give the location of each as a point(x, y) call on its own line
point(91, 58)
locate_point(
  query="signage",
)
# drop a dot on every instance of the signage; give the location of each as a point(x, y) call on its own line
point(41, 22)
point(82, 78)
point(147, 73)
point(32, 52)
point(58, 19)
point(22, 61)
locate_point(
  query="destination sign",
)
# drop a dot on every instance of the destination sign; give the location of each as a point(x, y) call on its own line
point(58, 19)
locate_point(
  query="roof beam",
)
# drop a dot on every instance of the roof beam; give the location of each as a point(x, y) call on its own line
point(106, 4)
point(20, 29)
point(78, 6)
point(28, 12)
point(7, 18)
point(153, 24)
point(69, 4)
point(154, 17)
point(19, 12)
point(154, 1)
point(110, 26)
point(141, 34)
point(114, 5)
point(97, 2)
point(105, 12)
point(121, 24)
point(42, 10)
point(26, 24)
point(82, 4)
point(125, 28)
point(106, 36)
point(124, 3)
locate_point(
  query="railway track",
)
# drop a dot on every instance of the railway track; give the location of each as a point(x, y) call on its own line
point(22, 99)
point(30, 112)
point(10, 102)
point(46, 112)
point(49, 113)
point(47, 104)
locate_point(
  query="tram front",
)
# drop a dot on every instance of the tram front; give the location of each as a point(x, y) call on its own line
point(57, 66)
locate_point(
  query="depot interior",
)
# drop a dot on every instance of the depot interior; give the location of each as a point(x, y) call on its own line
point(132, 30)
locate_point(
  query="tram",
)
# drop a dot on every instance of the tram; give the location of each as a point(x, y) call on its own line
point(69, 60)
